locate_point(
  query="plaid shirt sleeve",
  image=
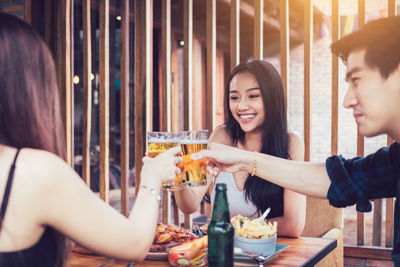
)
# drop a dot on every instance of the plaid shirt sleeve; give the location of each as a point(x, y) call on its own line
point(358, 180)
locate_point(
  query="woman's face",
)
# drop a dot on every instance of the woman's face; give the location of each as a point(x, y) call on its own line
point(245, 102)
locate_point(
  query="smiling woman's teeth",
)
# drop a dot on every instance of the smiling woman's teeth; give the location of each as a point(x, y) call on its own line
point(246, 117)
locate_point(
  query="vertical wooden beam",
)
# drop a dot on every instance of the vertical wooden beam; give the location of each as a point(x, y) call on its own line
point(389, 201)
point(87, 89)
point(392, 7)
point(143, 78)
point(308, 39)
point(28, 11)
point(165, 94)
point(188, 76)
point(188, 64)
point(258, 28)
point(235, 33)
point(335, 81)
point(104, 99)
point(48, 27)
point(377, 223)
point(284, 21)
point(64, 71)
point(360, 228)
point(125, 107)
point(389, 222)
point(360, 138)
point(166, 89)
point(211, 64)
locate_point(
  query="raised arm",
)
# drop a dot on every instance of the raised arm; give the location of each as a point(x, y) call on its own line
point(303, 177)
point(72, 209)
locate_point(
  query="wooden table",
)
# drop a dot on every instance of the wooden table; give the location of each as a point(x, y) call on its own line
point(303, 251)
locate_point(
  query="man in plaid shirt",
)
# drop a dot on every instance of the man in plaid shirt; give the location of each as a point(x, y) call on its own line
point(372, 57)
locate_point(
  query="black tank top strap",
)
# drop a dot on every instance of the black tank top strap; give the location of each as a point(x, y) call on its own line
point(7, 190)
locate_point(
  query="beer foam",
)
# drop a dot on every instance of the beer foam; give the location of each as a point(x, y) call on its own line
point(159, 140)
point(193, 142)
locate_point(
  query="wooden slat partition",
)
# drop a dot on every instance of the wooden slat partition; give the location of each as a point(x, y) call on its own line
point(377, 223)
point(389, 222)
point(28, 11)
point(188, 63)
point(143, 63)
point(188, 76)
point(360, 138)
point(104, 68)
point(367, 252)
point(87, 91)
point(235, 33)
point(165, 94)
point(392, 7)
point(211, 64)
point(64, 72)
point(284, 34)
point(360, 228)
point(48, 27)
point(335, 81)
point(308, 39)
point(258, 28)
point(19, 8)
point(125, 107)
point(166, 89)
point(389, 201)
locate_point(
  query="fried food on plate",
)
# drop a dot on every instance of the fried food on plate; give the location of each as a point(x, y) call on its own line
point(167, 235)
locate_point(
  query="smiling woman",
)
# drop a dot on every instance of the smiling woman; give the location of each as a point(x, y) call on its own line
point(255, 120)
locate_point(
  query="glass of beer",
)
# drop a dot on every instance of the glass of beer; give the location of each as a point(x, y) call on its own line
point(194, 172)
point(158, 142)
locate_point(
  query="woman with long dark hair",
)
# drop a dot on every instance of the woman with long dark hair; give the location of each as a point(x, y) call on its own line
point(42, 199)
point(255, 120)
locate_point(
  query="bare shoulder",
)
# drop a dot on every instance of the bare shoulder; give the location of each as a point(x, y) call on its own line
point(221, 135)
point(296, 146)
point(40, 180)
point(41, 170)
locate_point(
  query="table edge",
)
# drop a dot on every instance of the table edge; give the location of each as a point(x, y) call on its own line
point(325, 251)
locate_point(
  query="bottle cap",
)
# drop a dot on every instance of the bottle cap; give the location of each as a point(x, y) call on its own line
point(221, 187)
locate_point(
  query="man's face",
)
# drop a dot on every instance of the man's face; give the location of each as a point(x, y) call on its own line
point(375, 100)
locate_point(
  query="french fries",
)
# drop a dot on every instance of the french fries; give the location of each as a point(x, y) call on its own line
point(245, 227)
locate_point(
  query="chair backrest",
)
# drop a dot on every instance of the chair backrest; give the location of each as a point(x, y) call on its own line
point(321, 217)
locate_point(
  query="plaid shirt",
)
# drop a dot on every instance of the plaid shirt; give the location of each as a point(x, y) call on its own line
point(358, 180)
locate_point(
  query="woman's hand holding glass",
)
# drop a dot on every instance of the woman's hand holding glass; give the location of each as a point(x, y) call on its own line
point(161, 168)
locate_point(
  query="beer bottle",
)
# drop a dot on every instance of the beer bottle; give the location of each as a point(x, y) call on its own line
point(220, 231)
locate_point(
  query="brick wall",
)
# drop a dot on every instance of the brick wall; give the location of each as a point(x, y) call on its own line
point(321, 88)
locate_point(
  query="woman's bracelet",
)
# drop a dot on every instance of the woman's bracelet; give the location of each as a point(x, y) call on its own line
point(151, 190)
point(254, 163)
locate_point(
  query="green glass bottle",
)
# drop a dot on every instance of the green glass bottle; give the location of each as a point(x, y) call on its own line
point(220, 231)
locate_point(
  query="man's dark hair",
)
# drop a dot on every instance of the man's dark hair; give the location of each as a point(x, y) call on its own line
point(380, 38)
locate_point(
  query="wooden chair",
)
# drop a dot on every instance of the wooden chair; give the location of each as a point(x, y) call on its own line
point(323, 220)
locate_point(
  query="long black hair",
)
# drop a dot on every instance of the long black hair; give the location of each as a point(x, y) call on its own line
point(275, 139)
point(29, 102)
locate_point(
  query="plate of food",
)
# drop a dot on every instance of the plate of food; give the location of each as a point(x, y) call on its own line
point(192, 253)
point(168, 236)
